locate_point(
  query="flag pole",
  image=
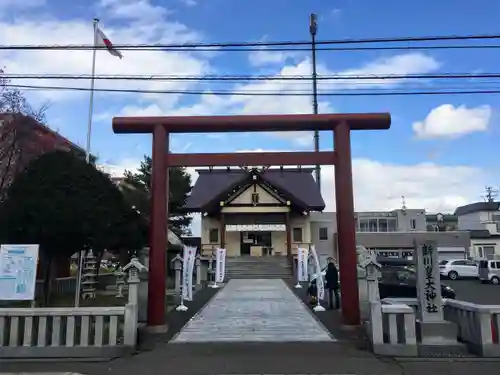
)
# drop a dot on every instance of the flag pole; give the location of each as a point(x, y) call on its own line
point(87, 153)
point(92, 82)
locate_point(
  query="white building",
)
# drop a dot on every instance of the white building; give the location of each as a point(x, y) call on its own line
point(389, 233)
point(482, 219)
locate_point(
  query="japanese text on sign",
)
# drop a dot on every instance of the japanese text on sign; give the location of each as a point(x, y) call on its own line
point(18, 272)
point(430, 285)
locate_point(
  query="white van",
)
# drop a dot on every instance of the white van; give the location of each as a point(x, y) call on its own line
point(489, 271)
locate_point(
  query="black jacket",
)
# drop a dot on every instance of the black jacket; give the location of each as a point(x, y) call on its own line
point(332, 276)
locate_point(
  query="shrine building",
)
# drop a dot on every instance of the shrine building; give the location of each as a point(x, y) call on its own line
point(255, 211)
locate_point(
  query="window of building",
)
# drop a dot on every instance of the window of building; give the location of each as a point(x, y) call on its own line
point(378, 225)
point(363, 225)
point(213, 235)
point(297, 235)
point(486, 251)
point(392, 225)
point(373, 225)
point(382, 225)
point(323, 234)
point(413, 224)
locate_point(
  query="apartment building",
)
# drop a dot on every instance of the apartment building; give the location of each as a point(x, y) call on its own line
point(389, 233)
point(482, 219)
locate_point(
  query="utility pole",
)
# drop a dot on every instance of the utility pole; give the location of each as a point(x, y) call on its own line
point(491, 194)
point(313, 28)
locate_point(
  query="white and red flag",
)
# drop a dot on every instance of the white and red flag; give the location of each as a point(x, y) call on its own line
point(103, 40)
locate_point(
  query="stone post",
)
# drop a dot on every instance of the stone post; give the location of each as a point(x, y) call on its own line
point(120, 282)
point(372, 275)
point(132, 307)
point(177, 262)
point(372, 268)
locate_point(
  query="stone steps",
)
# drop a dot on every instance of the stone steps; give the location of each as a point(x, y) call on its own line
point(267, 277)
point(258, 268)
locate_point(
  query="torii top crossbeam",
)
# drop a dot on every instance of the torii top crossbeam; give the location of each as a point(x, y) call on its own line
point(253, 123)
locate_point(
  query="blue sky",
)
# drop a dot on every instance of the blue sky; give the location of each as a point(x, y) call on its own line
point(445, 164)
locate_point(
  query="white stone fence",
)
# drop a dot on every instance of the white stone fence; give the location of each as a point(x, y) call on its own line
point(391, 323)
point(73, 332)
point(478, 326)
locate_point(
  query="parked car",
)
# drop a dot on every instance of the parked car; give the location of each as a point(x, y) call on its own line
point(401, 282)
point(397, 282)
point(458, 268)
point(386, 261)
point(489, 271)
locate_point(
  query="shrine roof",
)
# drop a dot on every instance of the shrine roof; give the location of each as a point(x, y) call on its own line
point(296, 183)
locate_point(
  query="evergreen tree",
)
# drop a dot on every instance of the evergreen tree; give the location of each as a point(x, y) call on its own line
point(137, 191)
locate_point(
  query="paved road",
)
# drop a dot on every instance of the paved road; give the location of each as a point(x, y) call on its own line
point(254, 311)
point(475, 292)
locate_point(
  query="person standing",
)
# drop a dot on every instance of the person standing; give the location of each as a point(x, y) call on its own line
point(332, 284)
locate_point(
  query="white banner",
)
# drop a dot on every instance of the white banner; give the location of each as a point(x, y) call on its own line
point(302, 269)
point(220, 265)
point(319, 277)
point(187, 272)
point(18, 265)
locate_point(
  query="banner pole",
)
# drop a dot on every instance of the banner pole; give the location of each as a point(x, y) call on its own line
point(185, 266)
point(218, 260)
point(182, 306)
point(319, 281)
point(300, 267)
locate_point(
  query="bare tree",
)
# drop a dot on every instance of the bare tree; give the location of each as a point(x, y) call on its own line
point(19, 141)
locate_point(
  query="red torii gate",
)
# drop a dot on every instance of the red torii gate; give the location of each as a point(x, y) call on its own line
point(340, 124)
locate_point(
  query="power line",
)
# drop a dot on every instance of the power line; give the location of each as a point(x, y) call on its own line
point(294, 49)
point(258, 44)
point(299, 49)
point(236, 78)
point(243, 93)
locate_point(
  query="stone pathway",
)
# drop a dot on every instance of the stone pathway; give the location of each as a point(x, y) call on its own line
point(254, 310)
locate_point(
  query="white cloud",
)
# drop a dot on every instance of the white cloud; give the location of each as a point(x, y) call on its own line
point(132, 22)
point(134, 9)
point(263, 57)
point(118, 170)
point(210, 104)
point(189, 3)
point(405, 64)
point(434, 187)
point(379, 186)
point(336, 12)
point(447, 121)
point(411, 63)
